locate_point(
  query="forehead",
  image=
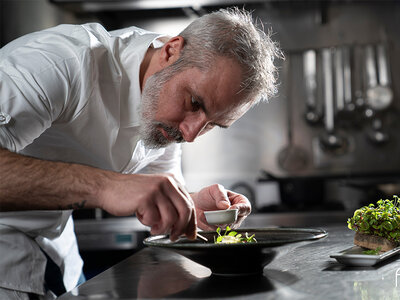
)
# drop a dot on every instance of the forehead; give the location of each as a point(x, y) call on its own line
point(219, 86)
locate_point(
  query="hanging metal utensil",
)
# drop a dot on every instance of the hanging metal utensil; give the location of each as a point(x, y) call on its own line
point(312, 115)
point(383, 66)
point(330, 140)
point(348, 99)
point(291, 157)
point(379, 94)
point(347, 115)
point(339, 78)
point(359, 71)
point(328, 90)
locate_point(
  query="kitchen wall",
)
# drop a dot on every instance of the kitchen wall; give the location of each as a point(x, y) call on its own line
point(354, 25)
point(19, 17)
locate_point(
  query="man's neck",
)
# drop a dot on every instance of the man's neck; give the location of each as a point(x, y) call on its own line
point(147, 66)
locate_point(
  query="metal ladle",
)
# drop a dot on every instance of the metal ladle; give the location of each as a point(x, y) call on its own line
point(346, 104)
point(312, 115)
point(359, 70)
point(379, 94)
point(330, 140)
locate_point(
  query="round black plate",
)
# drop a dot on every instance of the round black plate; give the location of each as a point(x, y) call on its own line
point(237, 259)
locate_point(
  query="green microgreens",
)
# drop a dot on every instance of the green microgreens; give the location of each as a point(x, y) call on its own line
point(232, 237)
point(380, 220)
point(372, 252)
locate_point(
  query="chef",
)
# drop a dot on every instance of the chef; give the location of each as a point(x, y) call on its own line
point(94, 119)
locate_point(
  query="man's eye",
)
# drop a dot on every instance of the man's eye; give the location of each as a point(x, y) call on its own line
point(210, 126)
point(195, 104)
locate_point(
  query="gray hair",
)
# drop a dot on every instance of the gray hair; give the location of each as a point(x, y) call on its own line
point(232, 33)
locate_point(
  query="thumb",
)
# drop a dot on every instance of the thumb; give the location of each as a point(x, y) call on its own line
point(222, 201)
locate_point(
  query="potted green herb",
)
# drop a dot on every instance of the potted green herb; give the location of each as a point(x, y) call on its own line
point(377, 226)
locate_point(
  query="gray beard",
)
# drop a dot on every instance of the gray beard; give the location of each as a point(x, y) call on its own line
point(149, 128)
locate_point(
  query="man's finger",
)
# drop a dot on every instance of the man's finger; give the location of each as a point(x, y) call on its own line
point(191, 230)
point(220, 196)
point(169, 215)
point(183, 203)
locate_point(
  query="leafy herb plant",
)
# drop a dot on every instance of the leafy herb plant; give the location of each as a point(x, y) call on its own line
point(372, 252)
point(232, 237)
point(380, 220)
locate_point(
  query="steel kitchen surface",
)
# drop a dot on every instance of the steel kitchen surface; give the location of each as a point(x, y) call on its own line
point(299, 272)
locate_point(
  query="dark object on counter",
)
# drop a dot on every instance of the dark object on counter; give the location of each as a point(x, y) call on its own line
point(238, 259)
point(302, 194)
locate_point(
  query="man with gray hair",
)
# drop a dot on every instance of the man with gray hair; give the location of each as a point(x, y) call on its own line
point(93, 119)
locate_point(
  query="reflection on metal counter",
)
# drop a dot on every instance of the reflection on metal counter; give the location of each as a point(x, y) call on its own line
point(103, 242)
point(304, 272)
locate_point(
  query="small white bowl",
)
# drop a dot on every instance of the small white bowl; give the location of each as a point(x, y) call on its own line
point(221, 217)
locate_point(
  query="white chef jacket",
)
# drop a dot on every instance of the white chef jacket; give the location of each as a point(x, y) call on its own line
point(70, 93)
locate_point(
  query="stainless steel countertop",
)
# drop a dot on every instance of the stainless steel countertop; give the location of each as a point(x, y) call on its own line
point(303, 272)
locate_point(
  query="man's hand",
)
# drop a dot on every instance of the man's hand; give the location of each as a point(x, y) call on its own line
point(159, 201)
point(216, 197)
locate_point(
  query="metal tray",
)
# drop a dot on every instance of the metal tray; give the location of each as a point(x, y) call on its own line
point(354, 257)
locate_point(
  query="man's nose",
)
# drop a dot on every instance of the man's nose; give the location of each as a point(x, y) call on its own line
point(192, 126)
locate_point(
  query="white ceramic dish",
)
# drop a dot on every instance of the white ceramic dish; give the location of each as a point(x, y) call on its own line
point(221, 217)
point(354, 257)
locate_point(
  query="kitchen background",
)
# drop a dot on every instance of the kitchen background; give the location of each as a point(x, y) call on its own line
point(326, 144)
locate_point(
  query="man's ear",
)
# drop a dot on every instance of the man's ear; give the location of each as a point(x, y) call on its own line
point(171, 51)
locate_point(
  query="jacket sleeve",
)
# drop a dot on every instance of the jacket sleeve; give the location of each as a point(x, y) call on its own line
point(36, 75)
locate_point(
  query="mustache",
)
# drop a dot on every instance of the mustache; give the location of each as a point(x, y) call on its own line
point(172, 132)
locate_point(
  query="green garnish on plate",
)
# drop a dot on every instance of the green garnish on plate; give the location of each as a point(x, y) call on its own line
point(373, 252)
point(380, 220)
point(232, 237)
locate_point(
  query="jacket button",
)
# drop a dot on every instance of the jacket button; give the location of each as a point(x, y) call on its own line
point(4, 118)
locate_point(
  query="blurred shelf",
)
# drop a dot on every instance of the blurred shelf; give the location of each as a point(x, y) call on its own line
point(296, 219)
